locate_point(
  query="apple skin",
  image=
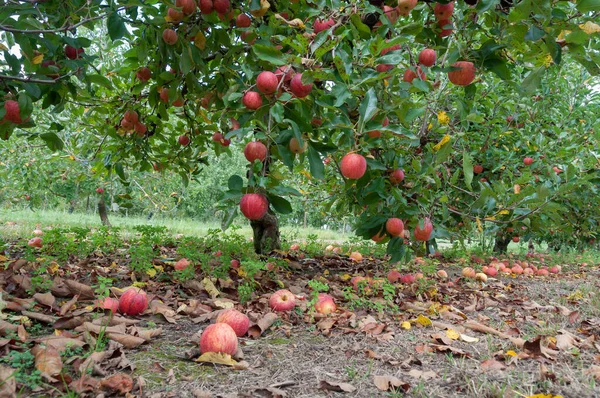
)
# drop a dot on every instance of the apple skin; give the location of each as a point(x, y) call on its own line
point(183, 140)
point(221, 6)
point(444, 32)
point(320, 25)
point(356, 256)
point(394, 276)
point(169, 36)
point(443, 11)
point(267, 82)
point(425, 233)
point(144, 74)
point(408, 279)
point(219, 337)
point(108, 303)
point(254, 206)
point(481, 277)
point(463, 76)
point(397, 176)
point(133, 302)
point(406, 6)
point(72, 52)
point(325, 304)
point(255, 151)
point(516, 239)
point(282, 300)
point(394, 226)
point(235, 264)
point(13, 112)
point(297, 88)
point(35, 242)
point(182, 264)
point(468, 272)
point(295, 146)
point(353, 166)
point(528, 161)
point(239, 322)
point(427, 57)
point(100, 190)
point(491, 271)
point(410, 75)
point(477, 169)
point(252, 100)
point(442, 274)
point(243, 21)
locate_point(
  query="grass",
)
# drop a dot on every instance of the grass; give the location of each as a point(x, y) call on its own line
point(26, 221)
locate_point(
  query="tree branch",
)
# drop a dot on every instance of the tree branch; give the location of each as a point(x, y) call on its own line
point(27, 79)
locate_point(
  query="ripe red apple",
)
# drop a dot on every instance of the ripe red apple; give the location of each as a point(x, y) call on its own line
point(425, 233)
point(442, 274)
point(382, 68)
point(38, 232)
point(144, 74)
point(282, 300)
point(353, 166)
point(254, 206)
point(325, 304)
point(13, 112)
point(491, 271)
point(35, 242)
point(235, 264)
point(187, 6)
point(218, 137)
point(528, 161)
point(181, 264)
point(356, 256)
point(408, 279)
point(252, 100)
point(463, 76)
point(108, 303)
point(133, 302)
point(295, 247)
point(557, 170)
point(542, 272)
point(446, 27)
point(517, 269)
point(72, 52)
point(516, 239)
point(100, 190)
point(320, 25)
point(169, 36)
point(477, 169)
point(427, 57)
point(394, 226)
point(391, 13)
point(410, 75)
point(391, 48)
point(394, 276)
point(406, 6)
point(267, 82)
point(178, 102)
point(218, 337)
point(443, 11)
point(206, 6)
point(183, 140)
point(286, 73)
point(295, 146)
point(243, 21)
point(468, 272)
point(397, 176)
point(297, 88)
point(175, 15)
point(221, 6)
point(239, 322)
point(554, 269)
point(255, 150)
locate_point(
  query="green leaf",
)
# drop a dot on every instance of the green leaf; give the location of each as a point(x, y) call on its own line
point(317, 169)
point(368, 107)
point(277, 112)
point(120, 172)
point(484, 5)
point(116, 26)
point(33, 90)
point(280, 204)
point(101, 80)
point(468, 169)
point(269, 54)
point(534, 34)
point(396, 249)
point(533, 80)
point(52, 141)
point(187, 63)
point(588, 5)
point(235, 183)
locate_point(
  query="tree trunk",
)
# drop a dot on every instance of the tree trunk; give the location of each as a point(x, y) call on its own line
point(266, 234)
point(501, 244)
point(102, 212)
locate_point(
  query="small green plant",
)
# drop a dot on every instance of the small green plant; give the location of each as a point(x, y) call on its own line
point(23, 362)
point(102, 287)
point(141, 254)
point(245, 291)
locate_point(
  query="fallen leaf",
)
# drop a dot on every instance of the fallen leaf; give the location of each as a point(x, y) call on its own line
point(536, 348)
point(420, 374)
point(453, 350)
point(594, 371)
point(565, 342)
point(210, 288)
point(423, 320)
point(8, 383)
point(158, 307)
point(337, 386)
point(386, 383)
point(405, 325)
point(217, 358)
point(46, 299)
point(255, 331)
point(574, 317)
point(546, 374)
point(84, 384)
point(85, 292)
point(452, 334)
point(66, 307)
point(468, 339)
point(120, 382)
point(47, 360)
point(492, 364)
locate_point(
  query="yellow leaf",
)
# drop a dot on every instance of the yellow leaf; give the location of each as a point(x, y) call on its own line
point(429, 126)
point(452, 334)
point(443, 118)
point(468, 339)
point(564, 33)
point(490, 218)
point(589, 27)
point(210, 287)
point(405, 325)
point(503, 212)
point(218, 358)
point(53, 268)
point(345, 277)
point(479, 226)
point(151, 272)
point(511, 353)
point(200, 40)
point(38, 59)
point(3, 258)
point(264, 7)
point(443, 142)
point(423, 320)
point(294, 23)
point(137, 284)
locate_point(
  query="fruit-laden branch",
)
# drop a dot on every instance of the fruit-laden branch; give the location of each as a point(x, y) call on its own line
point(63, 28)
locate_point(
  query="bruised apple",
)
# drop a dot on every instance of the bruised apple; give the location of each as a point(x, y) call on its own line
point(133, 302)
point(108, 303)
point(239, 322)
point(325, 304)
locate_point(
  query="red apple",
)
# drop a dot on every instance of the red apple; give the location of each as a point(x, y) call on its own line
point(239, 322)
point(182, 264)
point(187, 6)
point(356, 256)
point(13, 112)
point(468, 272)
point(133, 302)
point(169, 36)
point(464, 75)
point(235, 264)
point(446, 27)
point(206, 6)
point(221, 6)
point(175, 15)
point(394, 276)
point(397, 176)
point(243, 21)
point(295, 247)
point(144, 74)
point(254, 206)
point(219, 337)
point(516, 239)
point(554, 269)
point(108, 303)
point(477, 169)
point(100, 190)
point(72, 52)
point(394, 226)
point(35, 242)
point(297, 88)
point(286, 73)
point(255, 151)
point(443, 11)
point(442, 274)
point(408, 279)
point(325, 304)
point(282, 300)
point(382, 68)
point(491, 271)
point(267, 82)
point(353, 166)
point(391, 13)
point(320, 25)
point(423, 234)
point(252, 100)
point(427, 57)
point(410, 75)
point(528, 161)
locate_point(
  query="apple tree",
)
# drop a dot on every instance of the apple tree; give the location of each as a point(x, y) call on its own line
point(402, 100)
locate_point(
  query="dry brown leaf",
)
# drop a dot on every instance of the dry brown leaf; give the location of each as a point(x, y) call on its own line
point(420, 374)
point(46, 299)
point(337, 386)
point(574, 317)
point(325, 324)
point(492, 364)
point(60, 343)
point(210, 288)
point(594, 371)
point(39, 316)
point(387, 383)
point(68, 322)
point(22, 333)
point(146, 334)
point(85, 292)
point(161, 308)
point(537, 348)
point(127, 340)
point(94, 359)
point(120, 382)
point(262, 325)
point(47, 360)
point(565, 342)
point(7, 327)
point(66, 307)
point(84, 384)
point(546, 374)
point(202, 394)
point(8, 383)
point(453, 350)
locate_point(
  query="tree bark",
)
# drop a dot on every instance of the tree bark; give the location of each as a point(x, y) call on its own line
point(501, 244)
point(102, 212)
point(266, 234)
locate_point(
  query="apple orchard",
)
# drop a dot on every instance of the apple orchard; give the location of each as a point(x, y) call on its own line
point(424, 119)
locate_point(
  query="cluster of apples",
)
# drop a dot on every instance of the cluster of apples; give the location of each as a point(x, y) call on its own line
point(222, 336)
point(131, 124)
point(269, 83)
point(133, 301)
point(395, 227)
point(13, 112)
point(518, 267)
